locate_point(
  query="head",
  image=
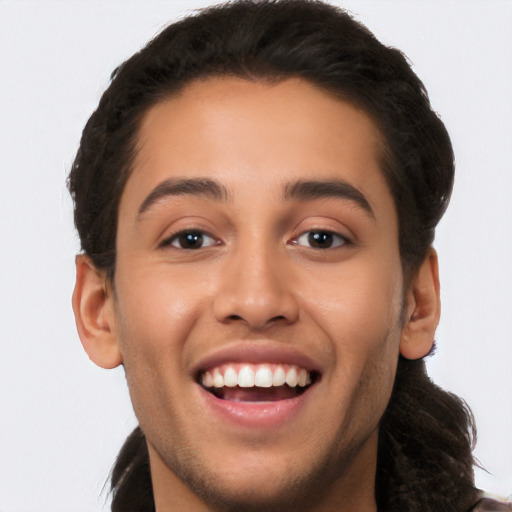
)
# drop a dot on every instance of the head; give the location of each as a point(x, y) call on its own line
point(261, 173)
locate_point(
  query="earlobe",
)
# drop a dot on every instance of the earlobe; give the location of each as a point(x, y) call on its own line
point(423, 310)
point(94, 314)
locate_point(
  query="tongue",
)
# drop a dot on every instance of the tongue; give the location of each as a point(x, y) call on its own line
point(256, 394)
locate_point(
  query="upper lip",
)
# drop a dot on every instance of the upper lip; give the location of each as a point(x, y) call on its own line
point(255, 352)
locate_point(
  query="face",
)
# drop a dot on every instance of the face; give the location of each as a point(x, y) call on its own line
point(258, 294)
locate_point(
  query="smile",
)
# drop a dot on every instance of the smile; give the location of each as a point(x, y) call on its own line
point(245, 382)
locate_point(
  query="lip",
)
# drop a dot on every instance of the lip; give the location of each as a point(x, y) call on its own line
point(255, 352)
point(255, 415)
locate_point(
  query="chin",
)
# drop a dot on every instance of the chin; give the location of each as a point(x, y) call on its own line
point(263, 482)
point(255, 492)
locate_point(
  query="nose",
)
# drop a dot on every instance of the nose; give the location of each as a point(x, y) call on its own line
point(256, 290)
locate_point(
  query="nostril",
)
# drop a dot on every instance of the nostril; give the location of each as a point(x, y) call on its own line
point(272, 320)
point(277, 318)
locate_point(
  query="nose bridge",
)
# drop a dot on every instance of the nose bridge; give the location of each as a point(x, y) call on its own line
point(255, 287)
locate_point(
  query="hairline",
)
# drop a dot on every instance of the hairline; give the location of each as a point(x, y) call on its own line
point(384, 155)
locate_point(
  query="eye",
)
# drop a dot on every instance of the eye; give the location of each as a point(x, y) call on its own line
point(191, 240)
point(320, 239)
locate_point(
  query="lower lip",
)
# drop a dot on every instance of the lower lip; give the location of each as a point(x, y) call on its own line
point(256, 415)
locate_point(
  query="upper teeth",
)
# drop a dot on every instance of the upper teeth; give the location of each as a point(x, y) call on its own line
point(261, 375)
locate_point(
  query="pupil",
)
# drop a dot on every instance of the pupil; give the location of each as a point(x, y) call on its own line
point(320, 239)
point(191, 240)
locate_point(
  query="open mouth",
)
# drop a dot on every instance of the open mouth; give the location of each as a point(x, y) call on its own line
point(257, 382)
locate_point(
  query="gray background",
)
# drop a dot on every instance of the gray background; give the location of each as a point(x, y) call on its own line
point(62, 420)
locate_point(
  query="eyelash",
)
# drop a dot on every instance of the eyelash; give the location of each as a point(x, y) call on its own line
point(313, 236)
point(193, 235)
point(336, 239)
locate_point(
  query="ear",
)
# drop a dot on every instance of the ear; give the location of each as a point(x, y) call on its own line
point(423, 310)
point(93, 305)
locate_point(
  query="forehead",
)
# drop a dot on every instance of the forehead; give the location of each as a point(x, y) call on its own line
point(256, 135)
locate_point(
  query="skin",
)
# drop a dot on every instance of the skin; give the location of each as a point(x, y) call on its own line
point(258, 281)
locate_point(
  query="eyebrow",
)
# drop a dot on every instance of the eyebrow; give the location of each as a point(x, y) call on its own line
point(205, 187)
point(310, 190)
point(299, 190)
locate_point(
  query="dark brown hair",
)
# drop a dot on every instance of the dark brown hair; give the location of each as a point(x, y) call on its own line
point(425, 460)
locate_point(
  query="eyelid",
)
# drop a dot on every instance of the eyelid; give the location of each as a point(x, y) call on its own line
point(168, 240)
point(343, 240)
point(323, 223)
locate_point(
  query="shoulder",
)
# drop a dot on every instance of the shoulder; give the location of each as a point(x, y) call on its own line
point(488, 504)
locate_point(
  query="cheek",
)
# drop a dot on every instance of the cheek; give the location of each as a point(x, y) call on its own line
point(359, 305)
point(155, 314)
point(360, 311)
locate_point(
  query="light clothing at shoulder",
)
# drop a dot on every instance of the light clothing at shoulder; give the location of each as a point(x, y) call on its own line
point(488, 504)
